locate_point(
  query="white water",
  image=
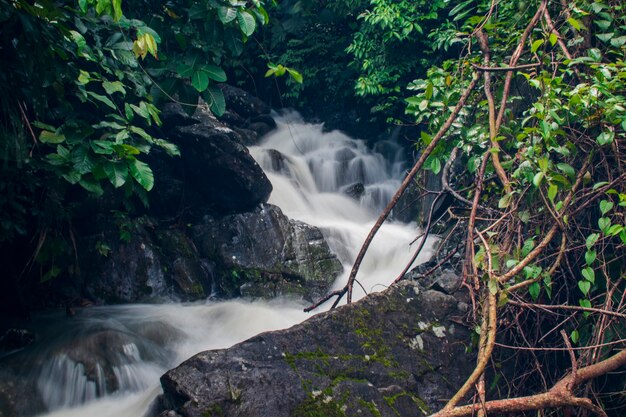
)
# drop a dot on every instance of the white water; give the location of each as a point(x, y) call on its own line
point(107, 360)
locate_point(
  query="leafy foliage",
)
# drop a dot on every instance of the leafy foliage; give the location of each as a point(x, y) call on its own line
point(81, 87)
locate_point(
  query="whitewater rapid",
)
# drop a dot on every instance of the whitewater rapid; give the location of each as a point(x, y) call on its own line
point(132, 345)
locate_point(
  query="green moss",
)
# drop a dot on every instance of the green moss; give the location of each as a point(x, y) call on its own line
point(371, 406)
point(214, 411)
point(314, 407)
point(421, 404)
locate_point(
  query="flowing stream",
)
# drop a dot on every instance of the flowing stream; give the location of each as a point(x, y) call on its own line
point(107, 360)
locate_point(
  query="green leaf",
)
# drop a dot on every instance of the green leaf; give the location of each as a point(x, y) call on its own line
point(584, 286)
point(534, 289)
point(113, 87)
point(233, 42)
point(604, 223)
point(215, 73)
point(116, 172)
point(605, 206)
point(297, 77)
point(215, 98)
point(575, 23)
point(574, 336)
point(605, 138)
point(50, 137)
point(567, 169)
point(552, 190)
point(590, 256)
point(529, 245)
point(538, 178)
point(92, 186)
point(435, 165)
point(81, 158)
point(589, 274)
point(117, 9)
point(247, 23)
point(226, 14)
point(142, 173)
point(102, 99)
point(493, 286)
point(592, 239)
point(536, 45)
point(505, 201)
point(200, 80)
point(553, 39)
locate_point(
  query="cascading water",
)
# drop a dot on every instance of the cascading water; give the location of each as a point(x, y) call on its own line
point(107, 360)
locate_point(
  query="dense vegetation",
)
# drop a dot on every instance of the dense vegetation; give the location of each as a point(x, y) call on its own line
point(519, 106)
point(526, 126)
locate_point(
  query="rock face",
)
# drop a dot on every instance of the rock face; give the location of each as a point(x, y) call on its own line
point(265, 254)
point(260, 253)
point(215, 169)
point(392, 353)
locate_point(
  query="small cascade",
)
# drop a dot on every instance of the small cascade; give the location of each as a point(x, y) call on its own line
point(108, 360)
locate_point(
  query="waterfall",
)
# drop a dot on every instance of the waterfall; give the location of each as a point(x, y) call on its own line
point(107, 360)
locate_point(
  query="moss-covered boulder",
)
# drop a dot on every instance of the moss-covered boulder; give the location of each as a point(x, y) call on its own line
point(262, 253)
point(399, 352)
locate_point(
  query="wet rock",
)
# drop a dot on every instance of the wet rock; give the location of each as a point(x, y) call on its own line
point(14, 339)
point(155, 264)
point(219, 169)
point(263, 253)
point(355, 190)
point(387, 355)
point(243, 103)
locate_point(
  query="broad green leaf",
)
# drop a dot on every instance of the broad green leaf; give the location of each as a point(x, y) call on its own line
point(142, 173)
point(589, 274)
point(92, 186)
point(247, 23)
point(567, 169)
point(534, 289)
point(215, 98)
point(538, 178)
point(113, 87)
point(434, 164)
point(72, 176)
point(584, 286)
point(102, 99)
point(82, 160)
point(605, 138)
point(536, 45)
point(605, 206)
point(604, 223)
point(493, 286)
point(590, 256)
point(529, 245)
point(295, 75)
point(574, 336)
point(116, 172)
point(575, 23)
point(50, 137)
point(117, 9)
point(553, 39)
point(592, 239)
point(233, 42)
point(226, 14)
point(552, 190)
point(200, 80)
point(215, 73)
point(505, 201)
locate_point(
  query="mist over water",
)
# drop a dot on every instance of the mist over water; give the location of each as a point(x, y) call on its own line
point(107, 360)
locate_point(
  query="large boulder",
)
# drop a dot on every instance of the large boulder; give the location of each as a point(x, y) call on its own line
point(156, 263)
point(215, 170)
point(262, 253)
point(399, 352)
